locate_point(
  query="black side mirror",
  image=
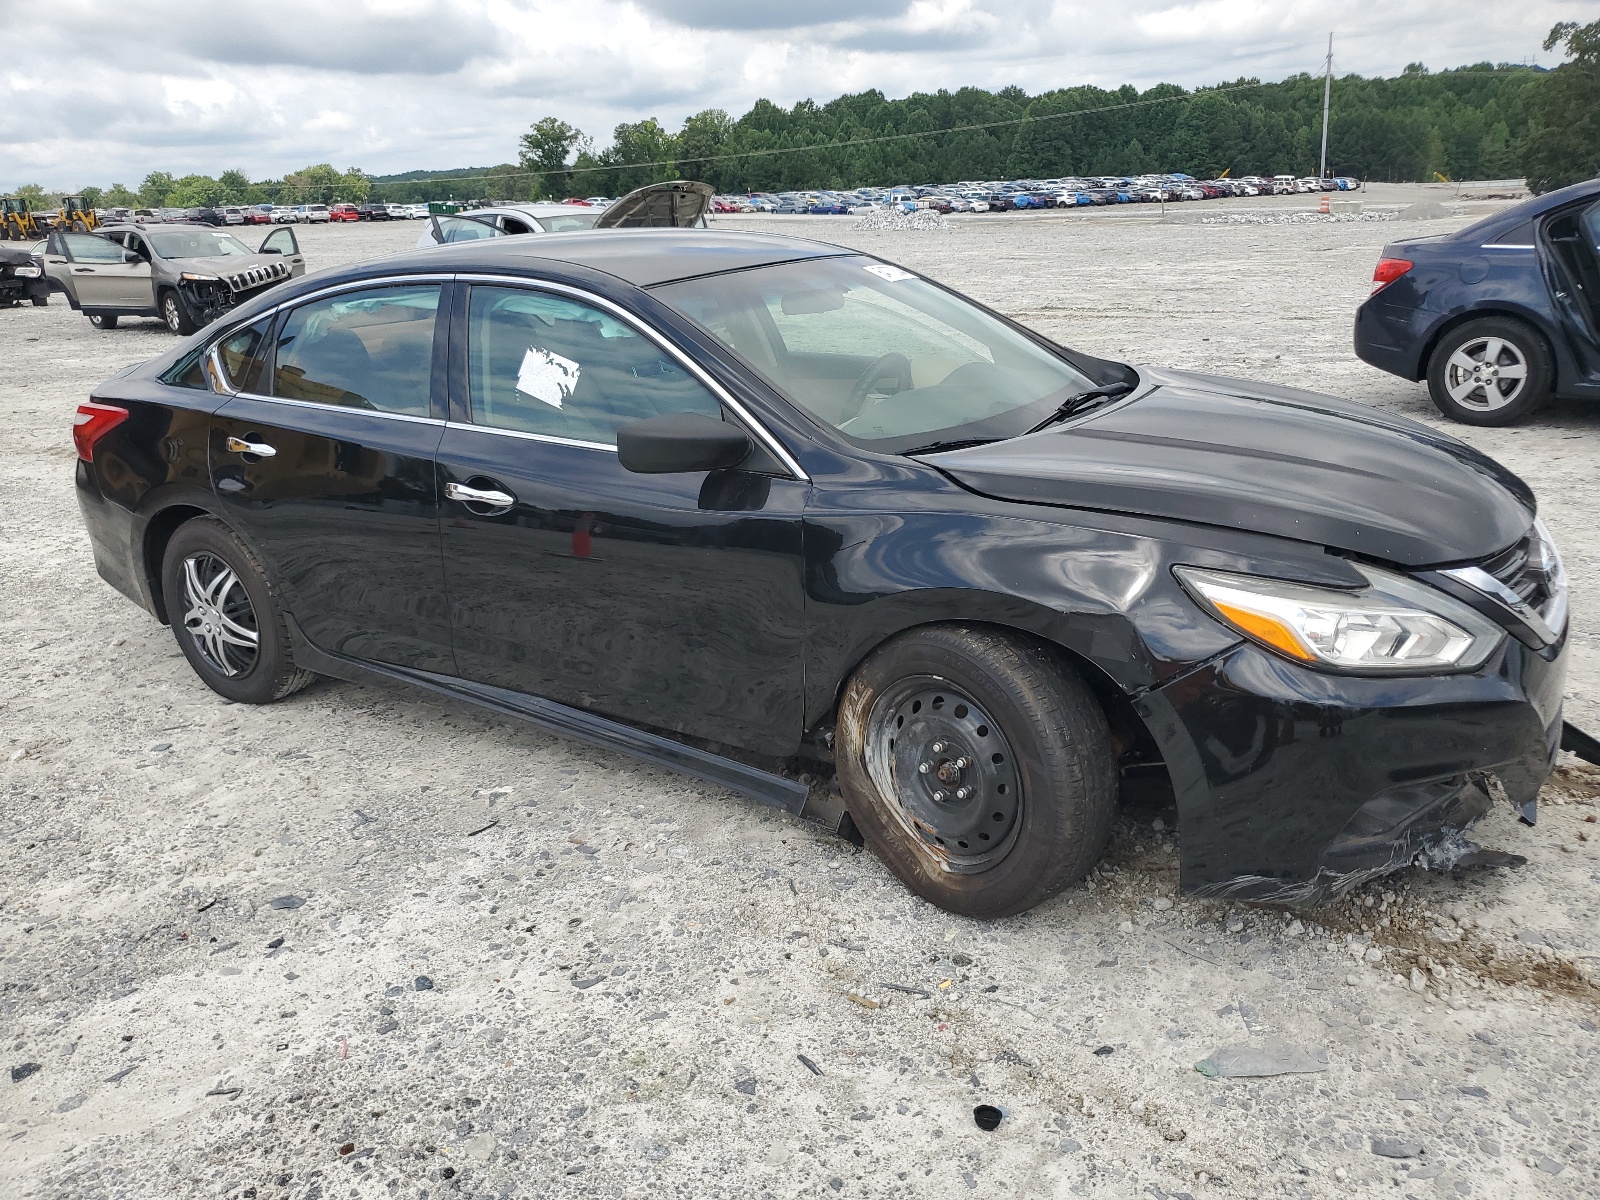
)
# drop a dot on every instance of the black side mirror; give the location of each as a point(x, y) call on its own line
point(680, 442)
point(132, 256)
point(269, 250)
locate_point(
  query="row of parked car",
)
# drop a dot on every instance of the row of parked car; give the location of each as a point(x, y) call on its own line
point(271, 214)
point(1015, 194)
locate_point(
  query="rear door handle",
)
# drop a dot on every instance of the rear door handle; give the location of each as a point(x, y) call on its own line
point(485, 496)
point(259, 449)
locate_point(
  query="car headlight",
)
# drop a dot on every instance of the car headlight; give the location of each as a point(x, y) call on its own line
point(27, 272)
point(194, 278)
point(1395, 625)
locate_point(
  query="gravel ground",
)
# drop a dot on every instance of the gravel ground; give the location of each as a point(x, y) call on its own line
point(364, 944)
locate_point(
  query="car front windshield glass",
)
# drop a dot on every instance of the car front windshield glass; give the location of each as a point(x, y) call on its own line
point(563, 222)
point(886, 358)
point(199, 244)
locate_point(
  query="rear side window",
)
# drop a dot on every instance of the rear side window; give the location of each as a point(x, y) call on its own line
point(544, 364)
point(367, 349)
point(244, 356)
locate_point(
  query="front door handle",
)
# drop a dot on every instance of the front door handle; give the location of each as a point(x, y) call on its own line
point(488, 497)
point(83, 270)
point(259, 449)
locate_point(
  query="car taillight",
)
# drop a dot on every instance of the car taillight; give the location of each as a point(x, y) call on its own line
point(92, 423)
point(1387, 271)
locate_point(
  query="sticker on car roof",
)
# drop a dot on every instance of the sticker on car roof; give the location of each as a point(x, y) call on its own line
point(890, 274)
point(547, 377)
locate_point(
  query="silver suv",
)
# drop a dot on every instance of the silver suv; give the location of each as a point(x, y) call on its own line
point(188, 275)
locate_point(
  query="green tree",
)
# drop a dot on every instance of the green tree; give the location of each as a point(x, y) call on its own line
point(1564, 145)
point(354, 187)
point(154, 190)
point(546, 150)
point(645, 150)
point(703, 137)
point(316, 184)
point(197, 191)
point(237, 186)
point(33, 194)
point(94, 197)
point(118, 196)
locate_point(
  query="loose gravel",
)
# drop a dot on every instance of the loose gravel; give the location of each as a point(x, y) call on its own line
point(362, 943)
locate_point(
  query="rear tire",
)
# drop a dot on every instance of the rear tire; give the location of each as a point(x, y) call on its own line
point(226, 616)
point(1492, 371)
point(102, 320)
point(175, 313)
point(1020, 788)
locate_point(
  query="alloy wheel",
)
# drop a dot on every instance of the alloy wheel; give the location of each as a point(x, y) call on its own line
point(948, 771)
point(1486, 373)
point(171, 313)
point(218, 614)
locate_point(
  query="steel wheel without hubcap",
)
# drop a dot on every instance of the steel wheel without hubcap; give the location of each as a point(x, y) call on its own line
point(949, 770)
point(1486, 374)
point(218, 614)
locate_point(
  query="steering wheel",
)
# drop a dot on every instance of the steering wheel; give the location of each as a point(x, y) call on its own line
point(892, 365)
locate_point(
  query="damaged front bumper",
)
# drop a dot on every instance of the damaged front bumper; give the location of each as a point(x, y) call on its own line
point(1296, 785)
point(209, 297)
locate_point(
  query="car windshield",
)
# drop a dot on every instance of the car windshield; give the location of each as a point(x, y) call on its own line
point(199, 244)
point(566, 221)
point(886, 358)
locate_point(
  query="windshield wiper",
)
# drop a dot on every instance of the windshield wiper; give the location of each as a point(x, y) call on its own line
point(1073, 405)
point(957, 444)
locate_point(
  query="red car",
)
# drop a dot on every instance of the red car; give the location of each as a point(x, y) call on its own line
point(344, 212)
point(258, 216)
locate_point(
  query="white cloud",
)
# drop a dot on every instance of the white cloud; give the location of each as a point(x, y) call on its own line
point(390, 85)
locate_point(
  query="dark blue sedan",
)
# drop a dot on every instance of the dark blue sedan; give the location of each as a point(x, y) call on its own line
point(1498, 317)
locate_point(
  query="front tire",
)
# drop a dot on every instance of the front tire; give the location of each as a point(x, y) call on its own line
point(103, 320)
point(978, 767)
point(1492, 371)
point(176, 314)
point(226, 616)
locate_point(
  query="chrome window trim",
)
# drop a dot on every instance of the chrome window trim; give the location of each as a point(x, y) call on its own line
point(290, 402)
point(755, 427)
point(531, 437)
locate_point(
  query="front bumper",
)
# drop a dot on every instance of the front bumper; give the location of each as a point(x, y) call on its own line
point(1296, 785)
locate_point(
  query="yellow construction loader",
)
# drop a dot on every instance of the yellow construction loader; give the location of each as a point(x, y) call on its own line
point(75, 215)
point(17, 223)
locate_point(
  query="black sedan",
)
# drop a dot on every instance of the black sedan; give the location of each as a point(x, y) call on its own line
point(811, 526)
point(1498, 317)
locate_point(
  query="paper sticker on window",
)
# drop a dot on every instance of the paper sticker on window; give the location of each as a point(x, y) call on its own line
point(889, 274)
point(546, 376)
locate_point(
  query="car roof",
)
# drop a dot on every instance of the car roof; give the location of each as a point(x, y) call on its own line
point(532, 210)
point(642, 257)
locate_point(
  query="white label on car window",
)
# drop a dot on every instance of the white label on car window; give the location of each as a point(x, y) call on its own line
point(546, 376)
point(889, 274)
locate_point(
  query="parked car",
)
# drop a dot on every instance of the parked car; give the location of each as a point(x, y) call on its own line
point(343, 212)
point(284, 215)
point(373, 212)
point(22, 276)
point(258, 214)
point(185, 275)
point(971, 576)
point(1497, 317)
point(679, 204)
point(312, 214)
point(232, 214)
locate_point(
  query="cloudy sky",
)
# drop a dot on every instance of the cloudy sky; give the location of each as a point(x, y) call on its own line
point(97, 92)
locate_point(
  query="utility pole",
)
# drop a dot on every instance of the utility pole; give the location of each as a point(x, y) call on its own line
point(1327, 90)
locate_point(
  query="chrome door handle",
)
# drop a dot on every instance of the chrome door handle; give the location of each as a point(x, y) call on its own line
point(472, 495)
point(259, 449)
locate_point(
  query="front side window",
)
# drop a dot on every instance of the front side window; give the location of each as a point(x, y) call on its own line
point(368, 349)
point(87, 248)
point(565, 222)
point(886, 358)
point(547, 365)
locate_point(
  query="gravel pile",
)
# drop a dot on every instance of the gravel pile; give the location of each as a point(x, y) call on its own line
point(1297, 218)
point(921, 220)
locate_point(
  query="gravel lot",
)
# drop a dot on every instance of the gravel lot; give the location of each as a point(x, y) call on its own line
point(364, 944)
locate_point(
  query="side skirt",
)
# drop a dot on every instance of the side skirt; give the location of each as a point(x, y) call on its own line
point(823, 806)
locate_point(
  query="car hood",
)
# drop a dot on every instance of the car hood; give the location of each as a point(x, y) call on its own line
point(678, 204)
point(1266, 459)
point(226, 264)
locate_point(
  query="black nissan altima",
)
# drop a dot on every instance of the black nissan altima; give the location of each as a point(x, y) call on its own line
point(814, 527)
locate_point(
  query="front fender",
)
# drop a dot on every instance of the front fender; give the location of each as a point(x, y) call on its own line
point(1105, 594)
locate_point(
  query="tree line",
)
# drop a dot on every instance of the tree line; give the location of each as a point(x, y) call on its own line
point(1484, 121)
